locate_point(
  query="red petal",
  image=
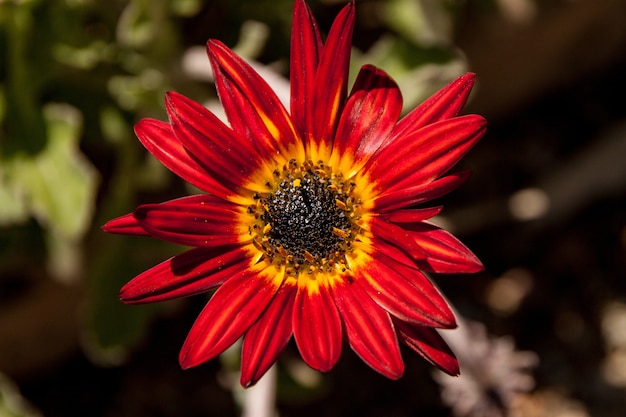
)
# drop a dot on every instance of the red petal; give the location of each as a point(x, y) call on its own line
point(220, 151)
point(405, 292)
point(193, 272)
point(397, 236)
point(369, 330)
point(234, 307)
point(371, 112)
point(160, 141)
point(445, 104)
point(331, 80)
point(267, 337)
point(125, 225)
point(412, 215)
point(392, 251)
point(199, 220)
point(317, 328)
point(306, 46)
point(430, 345)
point(405, 197)
point(252, 107)
point(444, 252)
point(427, 153)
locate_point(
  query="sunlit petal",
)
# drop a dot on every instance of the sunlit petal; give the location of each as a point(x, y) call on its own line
point(193, 272)
point(331, 80)
point(445, 104)
point(412, 215)
point(199, 220)
point(234, 307)
point(253, 109)
point(399, 198)
point(265, 340)
point(444, 253)
point(370, 114)
point(398, 236)
point(222, 153)
point(405, 292)
point(160, 141)
point(427, 153)
point(125, 225)
point(317, 328)
point(306, 47)
point(427, 342)
point(369, 330)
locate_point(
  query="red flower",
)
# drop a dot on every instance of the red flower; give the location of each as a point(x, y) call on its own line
point(308, 225)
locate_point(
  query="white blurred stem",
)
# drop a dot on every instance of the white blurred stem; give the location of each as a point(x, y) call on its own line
point(259, 401)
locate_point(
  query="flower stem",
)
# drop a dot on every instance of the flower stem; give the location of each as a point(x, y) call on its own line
point(259, 401)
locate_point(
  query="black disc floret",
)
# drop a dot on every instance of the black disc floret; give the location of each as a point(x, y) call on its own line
point(308, 220)
point(303, 217)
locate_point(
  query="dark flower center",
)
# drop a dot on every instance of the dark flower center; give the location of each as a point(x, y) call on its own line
point(303, 216)
point(307, 220)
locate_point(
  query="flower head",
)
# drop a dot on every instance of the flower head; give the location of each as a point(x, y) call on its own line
point(308, 225)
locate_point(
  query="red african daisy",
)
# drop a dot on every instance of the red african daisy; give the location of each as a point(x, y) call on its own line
point(308, 225)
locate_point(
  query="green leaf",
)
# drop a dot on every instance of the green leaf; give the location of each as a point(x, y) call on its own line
point(425, 22)
point(58, 184)
point(12, 404)
point(12, 205)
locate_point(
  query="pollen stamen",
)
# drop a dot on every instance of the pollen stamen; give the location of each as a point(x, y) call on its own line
point(342, 205)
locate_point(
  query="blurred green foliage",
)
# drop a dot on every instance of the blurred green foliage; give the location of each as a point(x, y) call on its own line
point(75, 75)
point(11, 402)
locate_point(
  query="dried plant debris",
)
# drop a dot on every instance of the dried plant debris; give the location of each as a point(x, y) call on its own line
point(493, 373)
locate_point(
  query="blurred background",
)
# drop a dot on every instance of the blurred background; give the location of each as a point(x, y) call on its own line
point(543, 329)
